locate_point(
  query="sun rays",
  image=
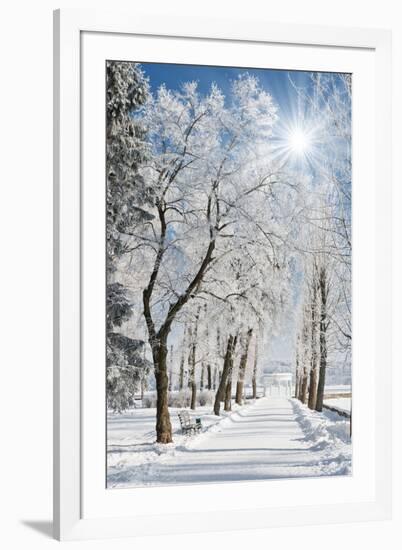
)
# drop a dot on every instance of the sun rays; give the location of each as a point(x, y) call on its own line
point(299, 142)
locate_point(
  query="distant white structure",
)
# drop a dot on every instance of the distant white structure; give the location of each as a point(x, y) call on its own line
point(277, 383)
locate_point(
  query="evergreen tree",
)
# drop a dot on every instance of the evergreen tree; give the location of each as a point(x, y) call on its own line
point(126, 200)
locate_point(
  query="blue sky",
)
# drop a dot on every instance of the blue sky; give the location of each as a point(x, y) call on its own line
point(277, 82)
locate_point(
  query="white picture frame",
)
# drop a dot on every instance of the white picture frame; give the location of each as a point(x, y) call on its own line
point(81, 509)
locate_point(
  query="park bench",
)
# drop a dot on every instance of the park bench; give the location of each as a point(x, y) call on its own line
point(187, 426)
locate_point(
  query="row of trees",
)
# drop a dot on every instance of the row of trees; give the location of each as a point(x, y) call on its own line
point(217, 365)
point(324, 335)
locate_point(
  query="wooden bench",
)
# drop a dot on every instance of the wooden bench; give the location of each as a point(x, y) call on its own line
point(187, 426)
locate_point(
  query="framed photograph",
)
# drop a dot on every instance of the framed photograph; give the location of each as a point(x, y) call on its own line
point(222, 275)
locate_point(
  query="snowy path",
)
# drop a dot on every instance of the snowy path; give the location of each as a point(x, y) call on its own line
point(270, 439)
point(263, 441)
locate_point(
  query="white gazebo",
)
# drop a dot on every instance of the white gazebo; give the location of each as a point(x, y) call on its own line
point(277, 383)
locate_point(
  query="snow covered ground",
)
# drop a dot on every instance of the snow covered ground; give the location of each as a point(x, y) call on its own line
point(267, 439)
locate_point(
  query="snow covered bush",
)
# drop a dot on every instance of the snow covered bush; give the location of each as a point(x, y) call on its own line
point(149, 401)
point(206, 397)
point(179, 399)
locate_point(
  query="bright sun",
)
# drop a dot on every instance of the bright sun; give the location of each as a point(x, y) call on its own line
point(298, 141)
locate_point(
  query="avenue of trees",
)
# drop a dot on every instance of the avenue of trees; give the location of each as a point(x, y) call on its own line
point(214, 238)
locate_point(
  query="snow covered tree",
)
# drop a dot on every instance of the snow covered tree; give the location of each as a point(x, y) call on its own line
point(125, 372)
point(126, 190)
point(331, 101)
point(126, 149)
point(324, 241)
point(201, 152)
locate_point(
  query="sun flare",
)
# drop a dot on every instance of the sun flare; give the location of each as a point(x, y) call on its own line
point(298, 141)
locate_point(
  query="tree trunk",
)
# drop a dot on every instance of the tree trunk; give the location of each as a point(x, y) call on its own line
point(305, 359)
point(321, 381)
point(209, 377)
point(193, 404)
point(182, 359)
point(217, 372)
point(190, 357)
point(254, 384)
point(312, 391)
point(228, 392)
point(304, 384)
point(222, 384)
point(202, 377)
point(312, 396)
point(163, 425)
point(299, 395)
point(254, 379)
point(323, 339)
point(218, 341)
point(242, 369)
point(301, 378)
point(193, 383)
point(215, 377)
point(221, 392)
point(239, 392)
point(181, 375)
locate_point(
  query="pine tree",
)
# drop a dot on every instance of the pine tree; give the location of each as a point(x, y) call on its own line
point(126, 91)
